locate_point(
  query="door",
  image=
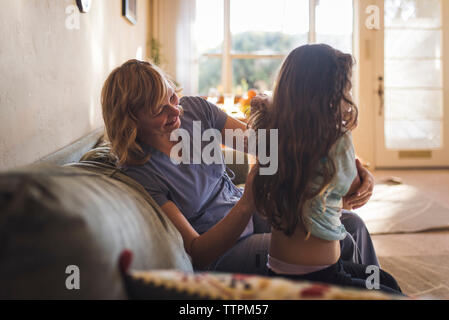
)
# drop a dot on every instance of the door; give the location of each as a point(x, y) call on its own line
point(411, 89)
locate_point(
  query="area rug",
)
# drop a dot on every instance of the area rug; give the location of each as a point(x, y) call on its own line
point(401, 208)
point(422, 277)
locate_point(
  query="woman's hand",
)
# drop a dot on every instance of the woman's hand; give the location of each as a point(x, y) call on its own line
point(259, 112)
point(260, 102)
point(364, 192)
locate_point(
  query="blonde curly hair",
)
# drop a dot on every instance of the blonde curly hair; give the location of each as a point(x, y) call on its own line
point(133, 87)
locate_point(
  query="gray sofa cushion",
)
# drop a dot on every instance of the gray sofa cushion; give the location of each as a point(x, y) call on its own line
point(52, 217)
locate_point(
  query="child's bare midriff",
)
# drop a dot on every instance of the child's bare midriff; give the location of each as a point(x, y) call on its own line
point(299, 251)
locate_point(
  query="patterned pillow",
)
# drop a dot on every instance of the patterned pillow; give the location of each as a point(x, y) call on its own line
point(179, 285)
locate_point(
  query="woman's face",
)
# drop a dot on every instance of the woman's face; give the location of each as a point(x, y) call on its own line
point(165, 120)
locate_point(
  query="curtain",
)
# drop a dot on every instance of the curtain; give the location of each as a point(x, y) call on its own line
point(172, 30)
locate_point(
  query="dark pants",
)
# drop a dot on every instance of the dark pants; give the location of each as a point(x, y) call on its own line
point(347, 274)
point(363, 250)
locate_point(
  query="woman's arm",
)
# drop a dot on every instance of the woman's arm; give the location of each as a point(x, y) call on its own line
point(364, 192)
point(232, 132)
point(206, 248)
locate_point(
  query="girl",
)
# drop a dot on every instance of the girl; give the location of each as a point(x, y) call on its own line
point(314, 113)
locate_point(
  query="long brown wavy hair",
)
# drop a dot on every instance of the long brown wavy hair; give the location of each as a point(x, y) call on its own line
point(130, 88)
point(311, 108)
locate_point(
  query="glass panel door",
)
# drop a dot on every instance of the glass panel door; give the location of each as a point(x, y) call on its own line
point(412, 92)
point(413, 75)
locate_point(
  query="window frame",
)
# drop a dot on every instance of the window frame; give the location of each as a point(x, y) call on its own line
point(228, 56)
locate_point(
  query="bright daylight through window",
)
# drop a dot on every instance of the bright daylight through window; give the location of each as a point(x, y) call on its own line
point(241, 44)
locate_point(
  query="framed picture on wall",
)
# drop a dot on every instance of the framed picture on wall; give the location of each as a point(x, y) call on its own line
point(84, 5)
point(130, 10)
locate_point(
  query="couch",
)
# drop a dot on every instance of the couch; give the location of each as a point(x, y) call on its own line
point(74, 209)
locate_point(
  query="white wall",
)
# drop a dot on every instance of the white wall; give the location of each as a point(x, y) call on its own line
point(51, 77)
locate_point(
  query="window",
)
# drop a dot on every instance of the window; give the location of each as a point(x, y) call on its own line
point(242, 44)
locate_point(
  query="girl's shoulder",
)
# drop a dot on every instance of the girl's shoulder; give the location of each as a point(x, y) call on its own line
point(344, 144)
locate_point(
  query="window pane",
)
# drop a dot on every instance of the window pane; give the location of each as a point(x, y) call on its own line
point(406, 43)
point(412, 73)
point(334, 24)
point(412, 14)
point(409, 73)
point(413, 104)
point(209, 26)
point(267, 26)
point(259, 74)
point(209, 75)
point(413, 135)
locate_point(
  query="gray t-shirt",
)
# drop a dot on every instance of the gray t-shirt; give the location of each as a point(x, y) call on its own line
point(204, 193)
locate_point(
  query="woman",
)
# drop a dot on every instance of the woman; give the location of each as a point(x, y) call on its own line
point(215, 219)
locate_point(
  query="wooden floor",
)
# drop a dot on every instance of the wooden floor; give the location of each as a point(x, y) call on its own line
point(420, 261)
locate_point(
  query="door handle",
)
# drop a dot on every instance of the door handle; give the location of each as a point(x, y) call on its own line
point(381, 94)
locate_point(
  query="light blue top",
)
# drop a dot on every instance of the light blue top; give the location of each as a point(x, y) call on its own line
point(204, 193)
point(324, 211)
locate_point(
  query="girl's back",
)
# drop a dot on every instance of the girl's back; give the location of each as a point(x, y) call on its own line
point(320, 245)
